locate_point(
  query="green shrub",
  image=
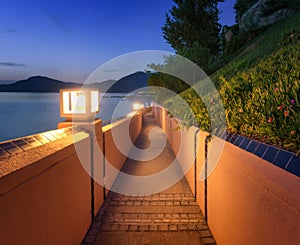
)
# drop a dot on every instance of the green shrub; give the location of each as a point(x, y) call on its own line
point(260, 88)
point(264, 102)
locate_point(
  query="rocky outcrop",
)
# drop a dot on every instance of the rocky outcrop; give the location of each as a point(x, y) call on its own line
point(228, 34)
point(255, 18)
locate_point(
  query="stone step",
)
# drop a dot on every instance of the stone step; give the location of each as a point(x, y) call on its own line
point(152, 209)
point(155, 197)
point(202, 228)
point(173, 202)
point(131, 218)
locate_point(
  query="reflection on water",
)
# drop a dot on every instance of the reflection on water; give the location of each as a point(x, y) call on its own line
point(24, 114)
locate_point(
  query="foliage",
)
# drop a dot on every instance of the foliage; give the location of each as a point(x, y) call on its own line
point(264, 102)
point(241, 7)
point(224, 44)
point(192, 25)
point(174, 84)
point(233, 49)
point(198, 53)
point(258, 49)
point(260, 88)
point(271, 6)
point(161, 78)
point(275, 5)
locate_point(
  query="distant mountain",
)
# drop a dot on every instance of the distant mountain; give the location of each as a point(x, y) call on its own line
point(37, 84)
point(7, 81)
point(126, 84)
point(130, 83)
point(44, 84)
point(102, 86)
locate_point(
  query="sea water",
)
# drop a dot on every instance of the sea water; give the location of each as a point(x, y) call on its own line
point(23, 114)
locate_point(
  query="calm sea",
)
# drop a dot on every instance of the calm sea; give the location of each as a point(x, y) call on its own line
point(24, 114)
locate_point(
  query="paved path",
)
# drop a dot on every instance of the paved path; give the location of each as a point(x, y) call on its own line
point(168, 217)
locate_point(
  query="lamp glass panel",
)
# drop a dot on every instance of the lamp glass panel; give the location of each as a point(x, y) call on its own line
point(80, 104)
point(74, 102)
point(94, 101)
point(136, 106)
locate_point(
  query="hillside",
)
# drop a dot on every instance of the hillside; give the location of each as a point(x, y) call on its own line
point(260, 87)
point(44, 84)
point(130, 83)
point(37, 84)
point(126, 84)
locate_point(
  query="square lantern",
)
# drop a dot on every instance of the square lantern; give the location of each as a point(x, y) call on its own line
point(79, 104)
point(137, 106)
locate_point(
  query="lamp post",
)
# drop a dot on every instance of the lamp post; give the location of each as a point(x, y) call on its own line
point(79, 107)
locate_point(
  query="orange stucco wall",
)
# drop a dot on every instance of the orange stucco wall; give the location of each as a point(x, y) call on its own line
point(249, 201)
point(49, 200)
point(115, 133)
point(200, 166)
point(47, 204)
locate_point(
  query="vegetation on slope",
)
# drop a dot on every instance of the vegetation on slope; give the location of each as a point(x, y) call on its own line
point(260, 88)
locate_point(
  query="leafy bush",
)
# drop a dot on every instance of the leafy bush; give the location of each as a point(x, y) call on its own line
point(242, 6)
point(197, 53)
point(264, 102)
point(260, 88)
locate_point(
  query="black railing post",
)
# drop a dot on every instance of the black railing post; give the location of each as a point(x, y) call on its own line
point(92, 176)
point(195, 161)
point(207, 139)
point(103, 169)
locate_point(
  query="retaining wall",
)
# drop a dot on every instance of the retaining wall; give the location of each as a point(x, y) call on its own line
point(122, 132)
point(248, 200)
point(46, 194)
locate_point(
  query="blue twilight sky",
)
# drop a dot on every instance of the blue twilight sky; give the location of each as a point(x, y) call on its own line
point(68, 40)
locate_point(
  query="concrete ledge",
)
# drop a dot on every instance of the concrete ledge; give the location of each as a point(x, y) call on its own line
point(47, 201)
point(19, 159)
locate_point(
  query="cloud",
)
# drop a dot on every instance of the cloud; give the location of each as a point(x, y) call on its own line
point(56, 20)
point(11, 64)
point(8, 30)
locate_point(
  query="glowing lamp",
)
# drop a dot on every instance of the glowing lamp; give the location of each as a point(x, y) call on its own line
point(137, 106)
point(79, 104)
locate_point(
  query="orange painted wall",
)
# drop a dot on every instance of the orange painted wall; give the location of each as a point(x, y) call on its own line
point(115, 159)
point(181, 142)
point(200, 167)
point(50, 204)
point(49, 201)
point(250, 201)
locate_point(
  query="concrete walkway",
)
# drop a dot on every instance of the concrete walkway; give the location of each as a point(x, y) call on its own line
point(169, 217)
